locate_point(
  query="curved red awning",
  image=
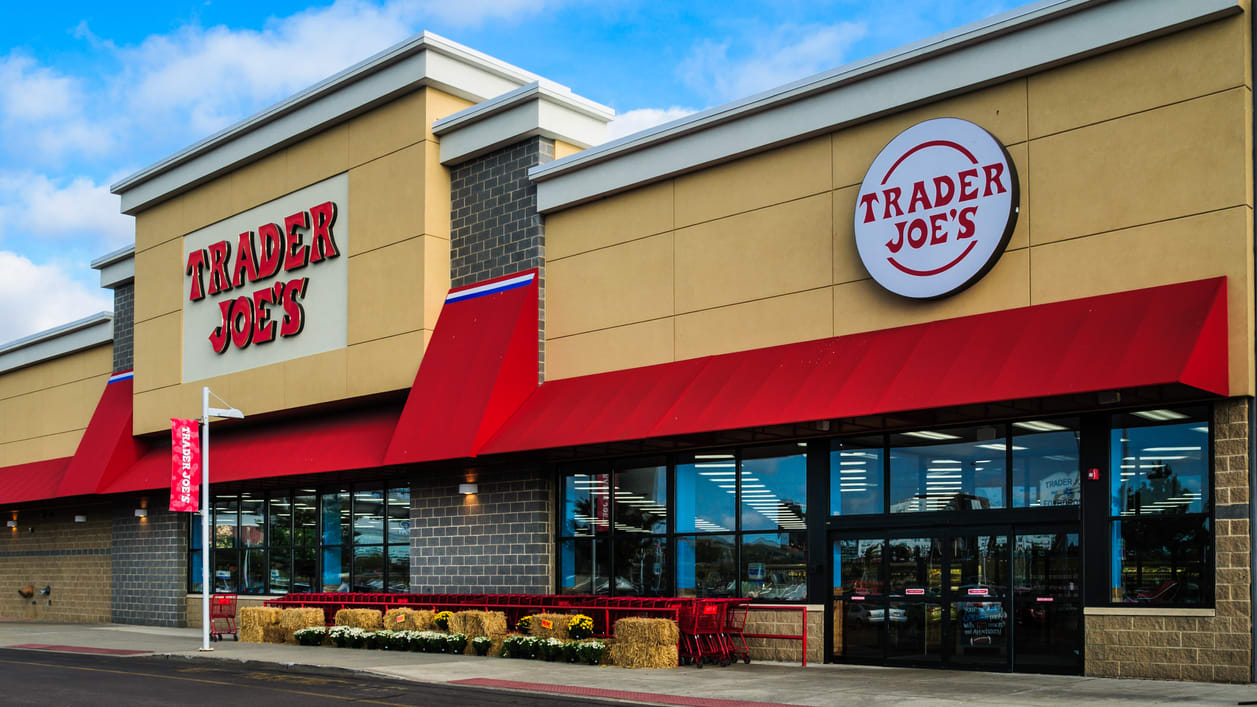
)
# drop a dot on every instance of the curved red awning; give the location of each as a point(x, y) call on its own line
point(1156, 336)
point(107, 448)
point(33, 481)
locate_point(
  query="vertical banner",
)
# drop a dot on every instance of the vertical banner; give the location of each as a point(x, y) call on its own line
point(185, 465)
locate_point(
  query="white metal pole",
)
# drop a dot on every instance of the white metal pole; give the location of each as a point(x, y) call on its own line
point(207, 583)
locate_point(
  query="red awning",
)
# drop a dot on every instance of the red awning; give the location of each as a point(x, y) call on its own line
point(107, 448)
point(1156, 336)
point(340, 442)
point(480, 365)
point(33, 481)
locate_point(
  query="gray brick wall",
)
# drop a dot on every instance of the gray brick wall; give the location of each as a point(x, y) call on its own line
point(123, 326)
point(495, 229)
point(150, 561)
point(498, 541)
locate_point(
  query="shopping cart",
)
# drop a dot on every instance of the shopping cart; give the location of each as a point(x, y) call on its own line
point(735, 628)
point(223, 616)
point(701, 624)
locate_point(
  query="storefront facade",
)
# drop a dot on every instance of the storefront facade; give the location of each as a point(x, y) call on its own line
point(952, 347)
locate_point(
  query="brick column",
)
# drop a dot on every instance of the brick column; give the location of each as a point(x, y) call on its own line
point(495, 542)
point(150, 563)
point(123, 326)
point(1168, 645)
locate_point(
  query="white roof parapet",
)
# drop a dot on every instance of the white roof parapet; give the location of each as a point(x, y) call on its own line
point(116, 268)
point(56, 342)
point(539, 108)
point(1009, 45)
point(423, 60)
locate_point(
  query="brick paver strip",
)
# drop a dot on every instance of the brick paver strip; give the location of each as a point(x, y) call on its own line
point(77, 649)
point(616, 694)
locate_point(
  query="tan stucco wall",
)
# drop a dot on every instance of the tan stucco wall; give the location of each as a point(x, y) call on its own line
point(1135, 170)
point(398, 251)
point(48, 549)
point(44, 408)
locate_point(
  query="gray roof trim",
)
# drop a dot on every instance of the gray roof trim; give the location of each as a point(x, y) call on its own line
point(548, 90)
point(56, 342)
point(1031, 38)
point(425, 59)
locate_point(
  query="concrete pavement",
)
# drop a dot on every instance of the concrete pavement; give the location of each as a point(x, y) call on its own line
point(757, 683)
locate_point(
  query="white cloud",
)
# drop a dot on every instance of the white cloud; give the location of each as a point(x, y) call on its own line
point(632, 121)
point(36, 297)
point(730, 69)
point(42, 209)
point(30, 92)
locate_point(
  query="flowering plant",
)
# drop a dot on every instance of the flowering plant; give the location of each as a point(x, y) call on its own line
point(592, 651)
point(482, 644)
point(549, 648)
point(456, 643)
point(442, 620)
point(512, 646)
point(580, 626)
point(311, 636)
point(524, 624)
point(347, 636)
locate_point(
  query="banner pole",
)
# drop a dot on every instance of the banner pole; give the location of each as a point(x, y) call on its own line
point(207, 583)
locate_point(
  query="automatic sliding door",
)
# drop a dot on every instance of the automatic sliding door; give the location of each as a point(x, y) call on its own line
point(1047, 605)
point(914, 613)
point(979, 601)
point(859, 613)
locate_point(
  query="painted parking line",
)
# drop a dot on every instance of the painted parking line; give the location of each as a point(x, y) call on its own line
point(629, 695)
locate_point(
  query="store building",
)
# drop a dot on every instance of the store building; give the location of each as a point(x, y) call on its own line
point(953, 346)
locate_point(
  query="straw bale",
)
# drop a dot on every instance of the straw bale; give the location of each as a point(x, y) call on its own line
point(406, 619)
point(360, 618)
point(250, 634)
point(276, 634)
point(558, 626)
point(478, 623)
point(640, 655)
point(305, 617)
point(258, 616)
point(649, 632)
point(495, 649)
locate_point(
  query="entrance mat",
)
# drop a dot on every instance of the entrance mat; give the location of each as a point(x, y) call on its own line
point(615, 694)
point(77, 649)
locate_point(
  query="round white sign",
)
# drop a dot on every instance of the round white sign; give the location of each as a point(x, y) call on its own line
point(936, 208)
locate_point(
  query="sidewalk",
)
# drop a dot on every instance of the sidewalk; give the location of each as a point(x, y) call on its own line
point(757, 683)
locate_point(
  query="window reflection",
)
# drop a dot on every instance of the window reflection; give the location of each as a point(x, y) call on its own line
point(948, 470)
point(586, 504)
point(641, 500)
point(1161, 561)
point(855, 476)
point(774, 566)
point(641, 566)
point(1045, 463)
point(252, 524)
point(583, 566)
point(1160, 467)
point(774, 488)
point(705, 494)
point(707, 566)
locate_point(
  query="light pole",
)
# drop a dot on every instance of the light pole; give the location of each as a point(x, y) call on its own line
point(207, 584)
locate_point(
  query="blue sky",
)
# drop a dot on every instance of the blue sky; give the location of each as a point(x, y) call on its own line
point(91, 92)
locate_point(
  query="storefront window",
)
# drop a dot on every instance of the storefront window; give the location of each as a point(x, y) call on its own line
point(586, 504)
point(855, 476)
point(1045, 463)
point(957, 469)
point(774, 566)
point(1162, 544)
point(584, 566)
point(705, 492)
point(345, 540)
point(641, 566)
point(641, 500)
point(774, 488)
point(707, 566)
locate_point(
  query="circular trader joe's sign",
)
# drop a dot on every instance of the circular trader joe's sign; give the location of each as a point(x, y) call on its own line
point(936, 208)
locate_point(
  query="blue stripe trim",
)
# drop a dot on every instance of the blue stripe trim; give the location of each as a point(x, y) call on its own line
point(122, 377)
point(474, 293)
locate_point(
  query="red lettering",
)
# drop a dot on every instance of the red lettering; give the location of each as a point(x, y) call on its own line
point(891, 198)
point(272, 250)
point(294, 313)
point(196, 266)
point(219, 254)
point(222, 333)
point(323, 241)
point(242, 322)
point(895, 244)
point(993, 174)
point(917, 226)
point(966, 222)
point(246, 267)
point(263, 326)
point(867, 201)
point(938, 234)
point(968, 190)
point(918, 197)
point(296, 255)
point(942, 197)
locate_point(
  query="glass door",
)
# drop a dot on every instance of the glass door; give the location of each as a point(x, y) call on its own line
point(914, 607)
point(978, 600)
point(1047, 603)
point(859, 600)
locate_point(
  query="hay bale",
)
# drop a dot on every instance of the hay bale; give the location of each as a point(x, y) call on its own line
point(360, 618)
point(557, 629)
point(410, 619)
point(256, 616)
point(293, 620)
point(647, 632)
point(478, 623)
point(275, 634)
point(495, 650)
point(250, 634)
point(642, 655)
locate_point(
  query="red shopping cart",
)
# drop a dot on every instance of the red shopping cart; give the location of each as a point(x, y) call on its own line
point(701, 624)
point(735, 629)
point(223, 616)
